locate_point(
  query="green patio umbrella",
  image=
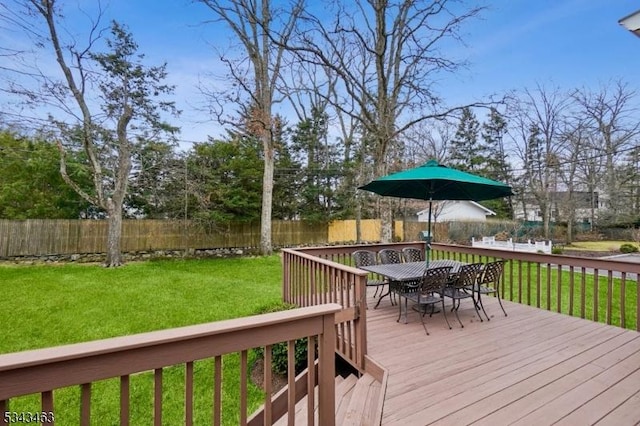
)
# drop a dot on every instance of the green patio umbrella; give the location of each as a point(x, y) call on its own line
point(433, 181)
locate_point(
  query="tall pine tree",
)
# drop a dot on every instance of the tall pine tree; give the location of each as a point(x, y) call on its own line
point(496, 164)
point(465, 151)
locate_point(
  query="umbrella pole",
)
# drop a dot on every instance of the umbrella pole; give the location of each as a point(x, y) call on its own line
point(427, 248)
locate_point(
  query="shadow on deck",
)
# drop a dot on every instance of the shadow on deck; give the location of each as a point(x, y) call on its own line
point(532, 367)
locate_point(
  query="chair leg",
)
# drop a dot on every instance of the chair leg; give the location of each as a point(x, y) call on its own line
point(482, 306)
point(422, 314)
point(500, 302)
point(400, 309)
point(444, 312)
point(453, 305)
point(456, 312)
point(475, 308)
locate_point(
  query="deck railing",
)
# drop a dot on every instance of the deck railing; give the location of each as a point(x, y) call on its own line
point(604, 290)
point(45, 371)
point(319, 275)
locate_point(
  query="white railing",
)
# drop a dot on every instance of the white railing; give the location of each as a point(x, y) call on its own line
point(529, 246)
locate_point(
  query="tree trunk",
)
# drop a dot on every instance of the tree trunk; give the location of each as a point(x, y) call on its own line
point(266, 246)
point(114, 235)
point(386, 218)
point(569, 239)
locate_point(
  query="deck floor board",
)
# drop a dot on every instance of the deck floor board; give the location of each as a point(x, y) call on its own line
point(531, 367)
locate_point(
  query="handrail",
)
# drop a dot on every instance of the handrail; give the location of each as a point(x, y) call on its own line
point(310, 280)
point(44, 370)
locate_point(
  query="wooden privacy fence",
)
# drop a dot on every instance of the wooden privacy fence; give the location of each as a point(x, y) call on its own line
point(41, 237)
point(35, 237)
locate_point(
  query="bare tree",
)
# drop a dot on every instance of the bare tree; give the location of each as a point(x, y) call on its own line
point(612, 116)
point(536, 134)
point(102, 98)
point(386, 55)
point(575, 136)
point(255, 24)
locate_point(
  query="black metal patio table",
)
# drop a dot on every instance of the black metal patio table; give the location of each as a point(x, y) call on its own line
point(401, 275)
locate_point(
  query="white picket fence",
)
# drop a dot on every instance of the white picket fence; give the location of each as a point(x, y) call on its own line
point(529, 246)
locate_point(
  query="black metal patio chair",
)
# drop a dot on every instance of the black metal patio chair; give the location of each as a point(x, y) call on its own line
point(390, 256)
point(489, 283)
point(427, 294)
point(461, 285)
point(368, 258)
point(412, 254)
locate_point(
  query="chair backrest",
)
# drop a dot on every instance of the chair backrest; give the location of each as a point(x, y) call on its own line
point(434, 279)
point(492, 273)
point(364, 258)
point(412, 254)
point(467, 275)
point(390, 256)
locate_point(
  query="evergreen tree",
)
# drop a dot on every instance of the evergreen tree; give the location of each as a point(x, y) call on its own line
point(31, 186)
point(497, 166)
point(155, 171)
point(466, 153)
point(224, 180)
point(286, 177)
point(320, 167)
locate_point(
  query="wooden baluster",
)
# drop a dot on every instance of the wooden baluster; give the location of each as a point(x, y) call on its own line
point(519, 281)
point(243, 387)
point(583, 291)
point(124, 400)
point(291, 374)
point(538, 284)
point(548, 286)
point(528, 283)
point(47, 404)
point(85, 404)
point(511, 280)
point(4, 407)
point(217, 391)
point(609, 295)
point(623, 292)
point(188, 396)
point(559, 289)
point(268, 409)
point(157, 397)
point(311, 380)
point(571, 289)
point(596, 294)
point(638, 302)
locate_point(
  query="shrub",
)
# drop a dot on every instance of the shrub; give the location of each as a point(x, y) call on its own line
point(628, 248)
point(556, 250)
point(279, 350)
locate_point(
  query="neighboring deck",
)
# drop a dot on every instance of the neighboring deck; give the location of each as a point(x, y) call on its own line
point(532, 367)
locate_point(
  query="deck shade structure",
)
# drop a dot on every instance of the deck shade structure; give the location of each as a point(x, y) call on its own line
point(433, 181)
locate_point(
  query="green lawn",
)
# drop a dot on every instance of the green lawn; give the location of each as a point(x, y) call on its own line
point(61, 304)
point(603, 246)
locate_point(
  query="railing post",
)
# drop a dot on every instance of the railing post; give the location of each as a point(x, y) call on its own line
point(361, 320)
point(326, 373)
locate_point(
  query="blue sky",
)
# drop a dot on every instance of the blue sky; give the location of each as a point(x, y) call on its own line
point(516, 44)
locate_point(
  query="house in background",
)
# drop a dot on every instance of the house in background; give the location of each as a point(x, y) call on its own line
point(585, 205)
point(459, 210)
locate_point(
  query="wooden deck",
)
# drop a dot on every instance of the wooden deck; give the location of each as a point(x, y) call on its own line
point(533, 367)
